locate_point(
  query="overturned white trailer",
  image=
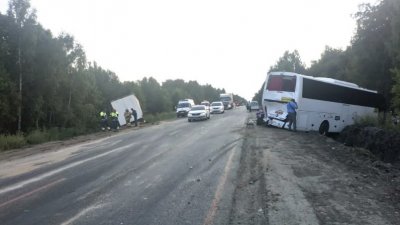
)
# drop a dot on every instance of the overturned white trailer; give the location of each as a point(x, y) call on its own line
point(128, 102)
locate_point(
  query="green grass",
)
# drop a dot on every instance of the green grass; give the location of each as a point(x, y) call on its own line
point(37, 137)
point(366, 121)
point(11, 141)
point(66, 133)
point(382, 121)
point(152, 118)
point(41, 136)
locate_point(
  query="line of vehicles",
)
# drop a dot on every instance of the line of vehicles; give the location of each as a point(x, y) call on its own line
point(324, 104)
point(187, 107)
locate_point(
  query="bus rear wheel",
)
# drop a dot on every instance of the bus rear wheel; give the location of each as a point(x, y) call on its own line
point(324, 128)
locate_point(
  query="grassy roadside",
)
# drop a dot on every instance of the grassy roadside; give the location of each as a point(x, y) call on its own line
point(379, 135)
point(8, 142)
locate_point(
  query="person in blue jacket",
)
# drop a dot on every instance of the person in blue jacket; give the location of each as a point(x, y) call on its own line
point(291, 110)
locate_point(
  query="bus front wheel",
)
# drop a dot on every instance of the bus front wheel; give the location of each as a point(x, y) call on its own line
point(324, 128)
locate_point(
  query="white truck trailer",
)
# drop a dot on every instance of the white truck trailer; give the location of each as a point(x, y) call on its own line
point(128, 102)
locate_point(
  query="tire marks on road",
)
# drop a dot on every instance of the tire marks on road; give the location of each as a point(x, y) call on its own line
point(218, 194)
point(31, 192)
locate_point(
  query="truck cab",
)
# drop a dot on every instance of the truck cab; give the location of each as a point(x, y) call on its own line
point(227, 99)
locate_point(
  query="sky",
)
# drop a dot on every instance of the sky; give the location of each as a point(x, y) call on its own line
point(229, 44)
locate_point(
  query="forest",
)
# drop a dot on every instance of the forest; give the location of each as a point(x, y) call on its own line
point(48, 87)
point(47, 84)
point(372, 60)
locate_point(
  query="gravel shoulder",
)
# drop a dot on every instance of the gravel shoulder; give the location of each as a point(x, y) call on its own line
point(304, 178)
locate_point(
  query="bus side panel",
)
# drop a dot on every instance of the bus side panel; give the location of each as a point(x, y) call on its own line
point(338, 115)
point(313, 121)
point(360, 111)
point(302, 122)
point(319, 111)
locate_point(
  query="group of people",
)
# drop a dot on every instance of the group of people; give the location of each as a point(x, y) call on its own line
point(108, 122)
point(129, 114)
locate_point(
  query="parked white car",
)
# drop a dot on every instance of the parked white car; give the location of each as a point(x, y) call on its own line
point(217, 107)
point(198, 112)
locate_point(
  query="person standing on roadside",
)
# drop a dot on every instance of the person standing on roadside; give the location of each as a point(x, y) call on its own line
point(103, 120)
point(127, 116)
point(114, 119)
point(291, 110)
point(134, 114)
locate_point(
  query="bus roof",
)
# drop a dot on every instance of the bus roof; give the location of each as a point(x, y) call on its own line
point(324, 79)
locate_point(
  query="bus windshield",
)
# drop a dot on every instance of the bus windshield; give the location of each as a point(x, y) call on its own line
point(281, 83)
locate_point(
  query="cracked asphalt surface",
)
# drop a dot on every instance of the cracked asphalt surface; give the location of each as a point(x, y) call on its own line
point(218, 171)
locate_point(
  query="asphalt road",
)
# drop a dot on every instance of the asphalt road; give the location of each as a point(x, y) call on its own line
point(219, 171)
point(172, 173)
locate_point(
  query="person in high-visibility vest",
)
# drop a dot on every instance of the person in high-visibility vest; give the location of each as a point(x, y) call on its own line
point(114, 119)
point(103, 120)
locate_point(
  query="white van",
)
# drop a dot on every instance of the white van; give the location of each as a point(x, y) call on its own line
point(254, 105)
point(184, 107)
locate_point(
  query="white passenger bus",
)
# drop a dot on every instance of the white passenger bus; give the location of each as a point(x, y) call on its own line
point(324, 104)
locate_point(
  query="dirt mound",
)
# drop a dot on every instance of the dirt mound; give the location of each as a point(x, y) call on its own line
point(384, 144)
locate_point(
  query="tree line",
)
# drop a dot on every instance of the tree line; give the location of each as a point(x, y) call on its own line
point(47, 82)
point(372, 60)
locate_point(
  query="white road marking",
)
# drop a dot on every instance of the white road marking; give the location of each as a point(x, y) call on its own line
point(174, 133)
point(31, 192)
point(59, 170)
point(81, 213)
point(18, 166)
